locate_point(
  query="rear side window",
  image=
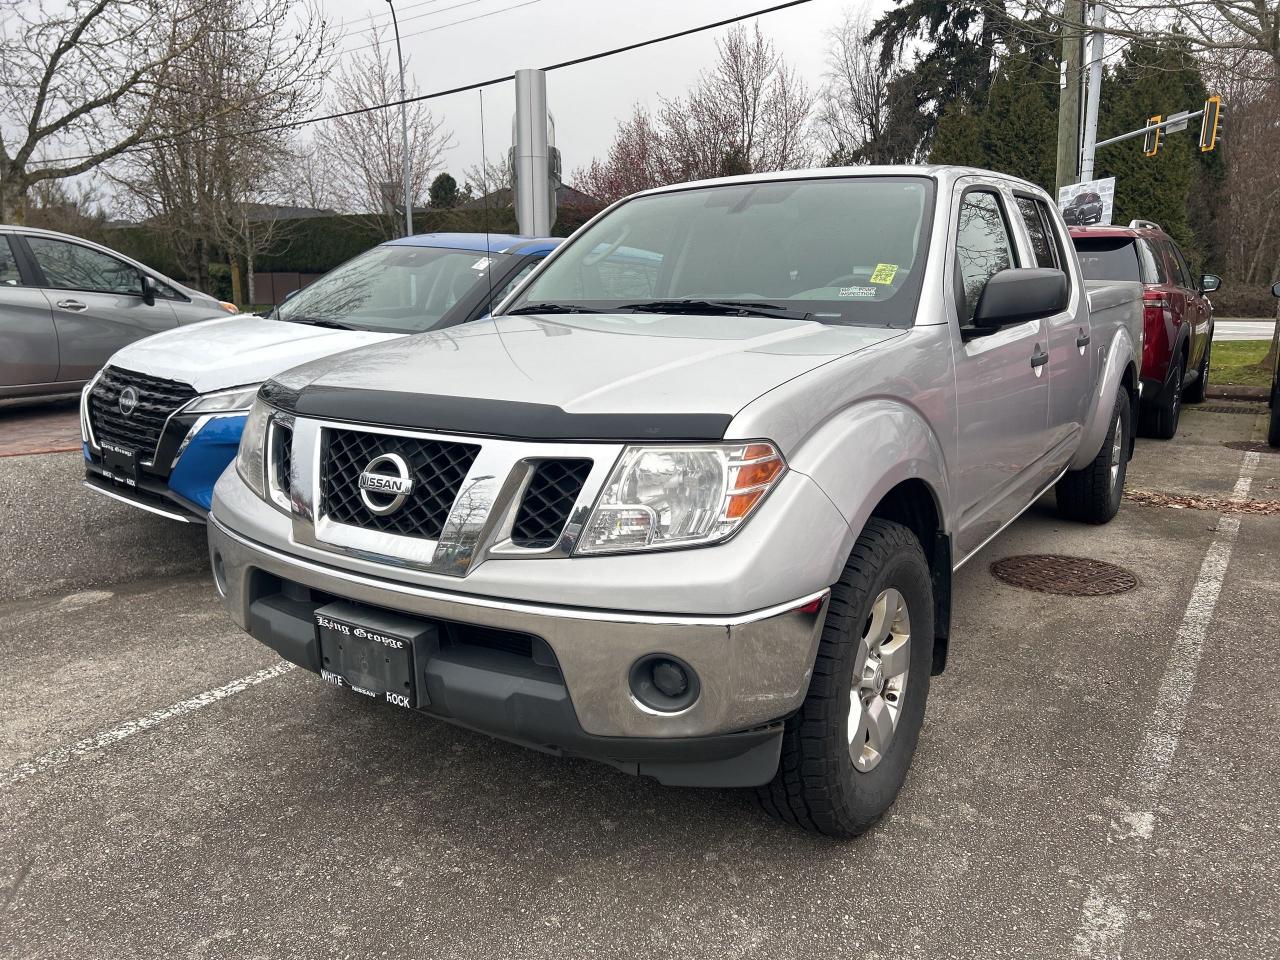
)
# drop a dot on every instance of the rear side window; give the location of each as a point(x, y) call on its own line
point(1039, 229)
point(1108, 258)
point(983, 247)
point(9, 276)
point(1153, 270)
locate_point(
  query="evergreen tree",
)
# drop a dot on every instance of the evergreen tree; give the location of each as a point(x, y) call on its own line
point(444, 193)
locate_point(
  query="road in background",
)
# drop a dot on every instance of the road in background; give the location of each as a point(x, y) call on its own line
point(167, 790)
point(1243, 329)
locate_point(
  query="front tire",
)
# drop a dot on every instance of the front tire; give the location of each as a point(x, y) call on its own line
point(845, 754)
point(1093, 494)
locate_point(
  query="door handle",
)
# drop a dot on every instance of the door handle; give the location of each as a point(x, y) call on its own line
point(1038, 359)
point(73, 305)
point(1082, 341)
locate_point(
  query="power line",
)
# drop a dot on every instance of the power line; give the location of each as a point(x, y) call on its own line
point(374, 26)
point(479, 84)
point(451, 23)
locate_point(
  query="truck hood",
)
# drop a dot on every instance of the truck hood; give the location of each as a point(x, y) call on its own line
point(594, 363)
point(221, 353)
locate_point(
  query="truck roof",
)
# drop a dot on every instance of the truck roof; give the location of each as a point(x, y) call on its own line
point(480, 242)
point(940, 172)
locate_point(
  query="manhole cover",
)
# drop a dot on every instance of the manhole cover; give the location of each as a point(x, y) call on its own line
point(1250, 446)
point(1254, 408)
point(1069, 576)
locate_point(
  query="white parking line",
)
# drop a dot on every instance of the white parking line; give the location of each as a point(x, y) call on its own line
point(27, 768)
point(1107, 910)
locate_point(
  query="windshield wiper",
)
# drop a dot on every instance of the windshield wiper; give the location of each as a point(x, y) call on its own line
point(738, 308)
point(320, 322)
point(551, 308)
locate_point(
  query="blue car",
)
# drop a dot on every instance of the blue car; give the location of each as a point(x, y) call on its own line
point(161, 421)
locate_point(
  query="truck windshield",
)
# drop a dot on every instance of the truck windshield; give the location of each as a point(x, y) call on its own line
point(392, 288)
point(844, 250)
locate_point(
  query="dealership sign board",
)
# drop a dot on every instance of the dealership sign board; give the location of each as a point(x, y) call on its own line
point(1089, 202)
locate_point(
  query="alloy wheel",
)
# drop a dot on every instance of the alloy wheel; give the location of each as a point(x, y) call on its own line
point(880, 679)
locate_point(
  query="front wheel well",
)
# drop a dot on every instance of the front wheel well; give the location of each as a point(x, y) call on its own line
point(913, 504)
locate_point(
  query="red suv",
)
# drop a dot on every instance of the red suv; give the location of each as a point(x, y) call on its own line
point(1178, 317)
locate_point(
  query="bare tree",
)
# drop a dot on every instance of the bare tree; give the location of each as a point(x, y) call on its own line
point(853, 111)
point(368, 144)
point(749, 112)
point(75, 85)
point(1243, 35)
point(208, 177)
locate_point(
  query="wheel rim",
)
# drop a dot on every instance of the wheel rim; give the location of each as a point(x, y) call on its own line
point(1117, 449)
point(879, 680)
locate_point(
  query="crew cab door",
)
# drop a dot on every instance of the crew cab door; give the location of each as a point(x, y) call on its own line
point(1070, 370)
point(98, 304)
point(1002, 378)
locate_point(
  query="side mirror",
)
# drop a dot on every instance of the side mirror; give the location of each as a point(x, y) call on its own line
point(148, 290)
point(1275, 289)
point(1209, 283)
point(1018, 295)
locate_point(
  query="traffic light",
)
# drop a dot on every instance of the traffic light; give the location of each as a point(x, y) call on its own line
point(1151, 142)
point(1210, 124)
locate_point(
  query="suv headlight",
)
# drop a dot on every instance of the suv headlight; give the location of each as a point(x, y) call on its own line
point(224, 401)
point(251, 457)
point(680, 496)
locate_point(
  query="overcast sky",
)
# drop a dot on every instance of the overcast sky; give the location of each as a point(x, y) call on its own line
point(587, 100)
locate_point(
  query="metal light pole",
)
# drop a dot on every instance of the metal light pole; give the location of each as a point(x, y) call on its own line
point(1097, 50)
point(404, 128)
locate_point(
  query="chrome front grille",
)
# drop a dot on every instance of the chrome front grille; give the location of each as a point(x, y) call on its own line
point(472, 498)
point(437, 469)
point(139, 429)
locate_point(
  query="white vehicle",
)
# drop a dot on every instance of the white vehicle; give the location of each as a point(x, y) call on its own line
point(163, 419)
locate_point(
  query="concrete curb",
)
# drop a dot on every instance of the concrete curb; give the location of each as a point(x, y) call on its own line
point(1228, 392)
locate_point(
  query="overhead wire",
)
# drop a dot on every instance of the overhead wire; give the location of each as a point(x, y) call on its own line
point(462, 88)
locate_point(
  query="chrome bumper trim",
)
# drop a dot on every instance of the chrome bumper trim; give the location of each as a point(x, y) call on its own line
point(158, 511)
point(754, 667)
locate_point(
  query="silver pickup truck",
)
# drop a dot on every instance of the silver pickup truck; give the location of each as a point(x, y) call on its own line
point(691, 502)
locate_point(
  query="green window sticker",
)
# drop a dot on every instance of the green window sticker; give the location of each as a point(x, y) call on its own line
point(884, 273)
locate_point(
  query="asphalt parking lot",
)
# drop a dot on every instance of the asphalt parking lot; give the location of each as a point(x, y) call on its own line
point(1098, 777)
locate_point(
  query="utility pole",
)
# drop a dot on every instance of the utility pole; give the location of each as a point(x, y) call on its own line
point(1069, 95)
point(1097, 43)
point(404, 130)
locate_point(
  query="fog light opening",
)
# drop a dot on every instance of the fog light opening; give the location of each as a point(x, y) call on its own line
point(219, 574)
point(664, 684)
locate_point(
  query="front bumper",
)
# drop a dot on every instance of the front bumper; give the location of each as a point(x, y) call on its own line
point(178, 483)
point(753, 669)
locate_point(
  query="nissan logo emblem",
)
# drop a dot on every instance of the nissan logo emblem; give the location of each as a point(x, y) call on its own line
point(128, 401)
point(385, 484)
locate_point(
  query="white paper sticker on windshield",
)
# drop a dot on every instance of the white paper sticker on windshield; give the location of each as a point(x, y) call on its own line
point(858, 293)
point(481, 264)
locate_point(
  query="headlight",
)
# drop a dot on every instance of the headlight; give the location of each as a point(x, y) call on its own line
point(663, 497)
point(241, 398)
point(250, 458)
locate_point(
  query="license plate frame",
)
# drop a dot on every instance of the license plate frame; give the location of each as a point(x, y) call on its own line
point(120, 464)
point(373, 652)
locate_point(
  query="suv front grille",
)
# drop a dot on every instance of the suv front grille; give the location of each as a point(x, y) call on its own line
point(437, 468)
point(548, 501)
point(141, 428)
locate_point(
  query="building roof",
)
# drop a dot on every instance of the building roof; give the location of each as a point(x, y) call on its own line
point(566, 196)
point(482, 242)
